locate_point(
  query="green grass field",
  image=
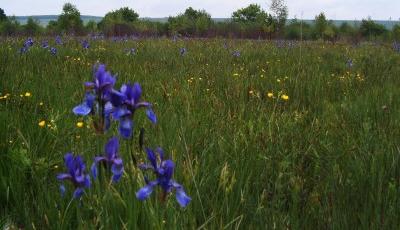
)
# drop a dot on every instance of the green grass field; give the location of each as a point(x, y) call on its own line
point(321, 152)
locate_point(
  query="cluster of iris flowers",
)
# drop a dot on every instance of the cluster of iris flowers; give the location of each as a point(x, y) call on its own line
point(27, 44)
point(106, 104)
point(44, 44)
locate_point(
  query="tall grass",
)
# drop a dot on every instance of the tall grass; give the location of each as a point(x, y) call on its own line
point(328, 157)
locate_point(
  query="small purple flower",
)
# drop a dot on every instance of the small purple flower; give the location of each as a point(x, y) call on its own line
point(125, 103)
point(349, 63)
point(131, 51)
point(23, 50)
point(75, 173)
point(236, 53)
point(58, 40)
point(163, 169)
point(85, 44)
point(110, 158)
point(226, 45)
point(25, 47)
point(28, 43)
point(396, 47)
point(183, 51)
point(45, 44)
point(53, 50)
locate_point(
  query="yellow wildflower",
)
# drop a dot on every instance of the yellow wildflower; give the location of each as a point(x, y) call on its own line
point(270, 95)
point(42, 123)
point(285, 97)
point(79, 124)
point(28, 94)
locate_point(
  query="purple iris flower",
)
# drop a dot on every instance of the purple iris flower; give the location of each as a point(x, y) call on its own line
point(396, 47)
point(236, 53)
point(45, 44)
point(75, 173)
point(225, 45)
point(97, 98)
point(99, 89)
point(349, 63)
point(131, 51)
point(58, 40)
point(23, 50)
point(182, 51)
point(125, 103)
point(110, 158)
point(163, 169)
point(28, 43)
point(85, 44)
point(53, 50)
point(25, 47)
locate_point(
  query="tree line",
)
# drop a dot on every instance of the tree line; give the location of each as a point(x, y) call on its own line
point(248, 22)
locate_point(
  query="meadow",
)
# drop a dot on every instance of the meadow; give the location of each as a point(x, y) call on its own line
point(264, 134)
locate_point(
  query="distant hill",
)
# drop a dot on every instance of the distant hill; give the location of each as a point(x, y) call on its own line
point(44, 20)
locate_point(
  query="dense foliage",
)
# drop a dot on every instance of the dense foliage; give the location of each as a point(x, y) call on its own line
point(248, 22)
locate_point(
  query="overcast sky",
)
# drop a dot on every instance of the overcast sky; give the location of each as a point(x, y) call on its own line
point(307, 9)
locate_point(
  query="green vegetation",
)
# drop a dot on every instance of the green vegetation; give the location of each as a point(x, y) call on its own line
point(249, 22)
point(278, 137)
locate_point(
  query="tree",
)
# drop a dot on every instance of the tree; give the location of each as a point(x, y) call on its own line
point(370, 29)
point(119, 22)
point(297, 30)
point(396, 32)
point(320, 25)
point(32, 27)
point(279, 13)
point(70, 19)
point(91, 26)
point(122, 15)
point(191, 22)
point(10, 27)
point(3, 16)
point(249, 14)
point(52, 27)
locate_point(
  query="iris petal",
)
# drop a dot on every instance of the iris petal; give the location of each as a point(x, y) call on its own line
point(136, 92)
point(125, 127)
point(117, 169)
point(63, 176)
point(62, 190)
point(78, 193)
point(111, 148)
point(151, 115)
point(93, 169)
point(82, 109)
point(151, 157)
point(116, 177)
point(182, 198)
point(145, 191)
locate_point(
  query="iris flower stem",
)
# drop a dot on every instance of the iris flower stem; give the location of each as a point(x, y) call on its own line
point(65, 213)
point(101, 113)
point(131, 151)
